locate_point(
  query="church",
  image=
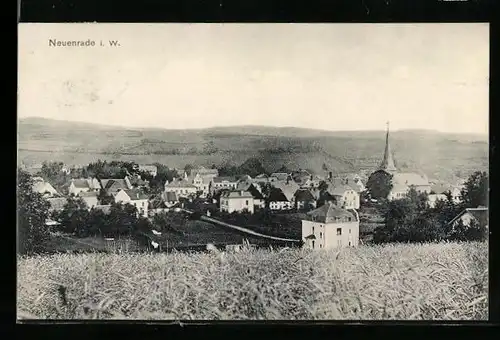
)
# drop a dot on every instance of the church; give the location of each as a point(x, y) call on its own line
point(401, 181)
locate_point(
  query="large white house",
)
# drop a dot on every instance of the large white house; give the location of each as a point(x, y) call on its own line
point(346, 196)
point(239, 201)
point(330, 227)
point(134, 197)
point(83, 185)
point(181, 188)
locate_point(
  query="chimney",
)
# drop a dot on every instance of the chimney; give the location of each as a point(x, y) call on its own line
point(137, 195)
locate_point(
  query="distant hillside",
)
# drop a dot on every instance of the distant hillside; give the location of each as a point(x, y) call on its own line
point(439, 155)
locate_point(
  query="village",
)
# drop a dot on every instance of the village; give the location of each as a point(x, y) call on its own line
point(326, 209)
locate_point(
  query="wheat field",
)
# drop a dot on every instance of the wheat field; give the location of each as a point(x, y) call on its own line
point(446, 281)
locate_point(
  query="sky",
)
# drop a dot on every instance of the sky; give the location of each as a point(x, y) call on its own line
point(320, 76)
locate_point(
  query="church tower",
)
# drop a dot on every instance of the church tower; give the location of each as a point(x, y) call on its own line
point(388, 161)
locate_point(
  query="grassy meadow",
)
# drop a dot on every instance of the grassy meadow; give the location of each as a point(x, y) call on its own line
point(446, 281)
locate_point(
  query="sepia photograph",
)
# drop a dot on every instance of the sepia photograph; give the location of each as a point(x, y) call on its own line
point(253, 171)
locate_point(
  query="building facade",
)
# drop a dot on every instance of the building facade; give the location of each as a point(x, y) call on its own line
point(330, 227)
point(239, 201)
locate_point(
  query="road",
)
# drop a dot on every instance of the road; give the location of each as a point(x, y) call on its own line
point(241, 229)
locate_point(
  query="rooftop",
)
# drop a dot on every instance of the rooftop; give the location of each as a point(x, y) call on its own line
point(330, 213)
point(236, 194)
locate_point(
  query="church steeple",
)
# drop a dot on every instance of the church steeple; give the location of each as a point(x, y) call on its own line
point(388, 161)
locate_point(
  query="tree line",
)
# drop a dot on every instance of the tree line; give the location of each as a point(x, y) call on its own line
point(411, 219)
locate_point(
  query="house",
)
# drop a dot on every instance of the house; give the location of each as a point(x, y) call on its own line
point(254, 190)
point(83, 185)
point(201, 170)
point(239, 201)
point(225, 182)
point(44, 188)
point(90, 198)
point(345, 196)
point(401, 181)
point(181, 188)
point(312, 182)
point(304, 200)
point(279, 177)
point(288, 187)
point(170, 198)
point(57, 203)
point(113, 185)
point(150, 169)
point(278, 200)
point(201, 182)
point(455, 190)
point(134, 197)
point(330, 227)
point(262, 178)
point(432, 198)
point(479, 215)
point(350, 179)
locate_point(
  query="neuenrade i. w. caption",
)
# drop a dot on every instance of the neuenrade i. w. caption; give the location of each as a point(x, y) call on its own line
point(83, 43)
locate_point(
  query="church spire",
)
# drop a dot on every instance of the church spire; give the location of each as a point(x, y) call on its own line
point(388, 161)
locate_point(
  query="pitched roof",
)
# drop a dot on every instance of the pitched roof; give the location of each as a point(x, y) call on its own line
point(303, 195)
point(277, 195)
point(136, 194)
point(288, 189)
point(43, 187)
point(81, 183)
point(88, 194)
point(261, 176)
point(236, 194)
point(170, 196)
point(114, 183)
point(256, 194)
point(329, 213)
point(409, 178)
point(180, 184)
point(339, 190)
point(479, 213)
point(221, 179)
point(280, 176)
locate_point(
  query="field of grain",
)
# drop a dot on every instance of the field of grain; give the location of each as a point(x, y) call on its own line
point(447, 281)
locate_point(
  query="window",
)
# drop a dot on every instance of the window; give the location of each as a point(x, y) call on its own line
point(320, 235)
point(321, 246)
point(313, 244)
point(349, 243)
point(349, 231)
point(313, 229)
point(339, 231)
point(339, 243)
point(246, 202)
point(349, 219)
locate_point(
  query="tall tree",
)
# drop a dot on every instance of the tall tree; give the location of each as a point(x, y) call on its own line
point(379, 184)
point(32, 212)
point(475, 192)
